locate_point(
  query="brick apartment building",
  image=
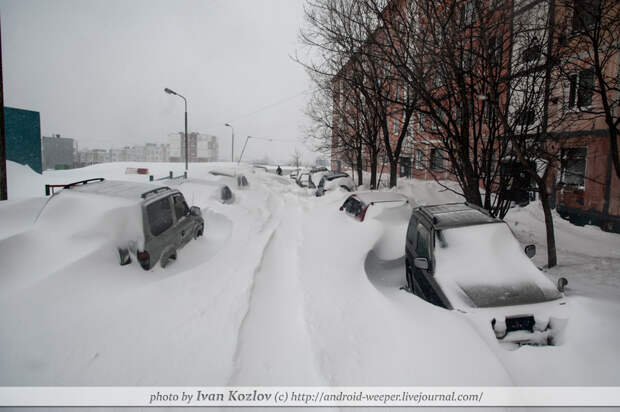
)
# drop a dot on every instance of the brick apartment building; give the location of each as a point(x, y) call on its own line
point(583, 186)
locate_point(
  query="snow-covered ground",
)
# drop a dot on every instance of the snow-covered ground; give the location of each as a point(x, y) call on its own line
point(283, 289)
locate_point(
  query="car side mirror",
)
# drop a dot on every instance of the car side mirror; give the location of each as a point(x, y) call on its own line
point(530, 251)
point(562, 282)
point(195, 211)
point(421, 263)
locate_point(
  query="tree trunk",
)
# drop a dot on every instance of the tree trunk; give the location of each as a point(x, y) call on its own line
point(393, 172)
point(373, 170)
point(360, 168)
point(552, 259)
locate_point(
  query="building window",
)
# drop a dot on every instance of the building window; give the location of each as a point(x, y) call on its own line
point(527, 117)
point(436, 160)
point(468, 12)
point(421, 118)
point(396, 125)
point(419, 157)
point(581, 88)
point(585, 15)
point(496, 48)
point(533, 51)
point(468, 60)
point(405, 167)
point(573, 167)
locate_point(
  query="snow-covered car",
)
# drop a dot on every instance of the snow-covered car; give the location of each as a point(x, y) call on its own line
point(148, 221)
point(371, 203)
point(312, 178)
point(333, 181)
point(459, 257)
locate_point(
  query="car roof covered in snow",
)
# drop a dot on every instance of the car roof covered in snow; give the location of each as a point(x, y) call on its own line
point(374, 197)
point(455, 215)
point(116, 188)
point(335, 175)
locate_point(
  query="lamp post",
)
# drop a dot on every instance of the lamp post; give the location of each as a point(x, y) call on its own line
point(243, 150)
point(167, 90)
point(232, 156)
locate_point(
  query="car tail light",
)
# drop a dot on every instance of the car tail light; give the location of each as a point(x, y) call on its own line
point(143, 256)
point(363, 213)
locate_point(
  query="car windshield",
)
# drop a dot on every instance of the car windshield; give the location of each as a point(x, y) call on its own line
point(484, 266)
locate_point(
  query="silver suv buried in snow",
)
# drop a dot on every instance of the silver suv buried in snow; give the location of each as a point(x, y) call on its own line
point(165, 225)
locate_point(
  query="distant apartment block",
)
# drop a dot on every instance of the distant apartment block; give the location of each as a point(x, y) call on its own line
point(156, 152)
point(57, 152)
point(201, 147)
point(151, 152)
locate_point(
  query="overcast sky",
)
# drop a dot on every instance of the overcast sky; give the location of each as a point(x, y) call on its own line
point(96, 69)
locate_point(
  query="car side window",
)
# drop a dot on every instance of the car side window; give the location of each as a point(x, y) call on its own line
point(311, 184)
point(180, 207)
point(422, 242)
point(411, 232)
point(159, 216)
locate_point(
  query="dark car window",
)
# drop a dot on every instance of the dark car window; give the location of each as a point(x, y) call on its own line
point(411, 233)
point(160, 216)
point(422, 242)
point(322, 183)
point(180, 207)
point(353, 207)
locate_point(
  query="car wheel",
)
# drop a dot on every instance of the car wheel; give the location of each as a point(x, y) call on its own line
point(124, 256)
point(409, 278)
point(199, 231)
point(166, 259)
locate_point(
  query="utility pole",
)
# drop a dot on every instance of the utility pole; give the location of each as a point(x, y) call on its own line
point(3, 179)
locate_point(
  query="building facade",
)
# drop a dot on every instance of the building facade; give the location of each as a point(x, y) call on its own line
point(57, 152)
point(201, 147)
point(583, 185)
point(23, 137)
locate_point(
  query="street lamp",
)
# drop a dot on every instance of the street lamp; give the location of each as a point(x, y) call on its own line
point(167, 90)
point(244, 145)
point(232, 156)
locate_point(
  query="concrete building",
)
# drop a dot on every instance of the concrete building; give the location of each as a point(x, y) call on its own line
point(23, 137)
point(118, 155)
point(57, 152)
point(155, 152)
point(201, 147)
point(93, 156)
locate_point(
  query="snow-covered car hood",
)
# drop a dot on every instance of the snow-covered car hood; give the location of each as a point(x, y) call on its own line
point(484, 266)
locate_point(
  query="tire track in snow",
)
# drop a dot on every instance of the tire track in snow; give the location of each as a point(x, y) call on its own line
point(274, 344)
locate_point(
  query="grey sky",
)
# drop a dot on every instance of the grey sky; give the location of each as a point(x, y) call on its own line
point(96, 69)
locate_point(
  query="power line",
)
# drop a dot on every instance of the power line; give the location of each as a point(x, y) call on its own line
point(269, 106)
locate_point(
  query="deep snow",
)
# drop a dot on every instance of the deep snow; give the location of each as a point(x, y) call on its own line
point(282, 289)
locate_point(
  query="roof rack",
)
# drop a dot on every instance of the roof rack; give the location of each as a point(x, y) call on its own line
point(154, 191)
point(479, 208)
point(426, 214)
point(83, 182)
